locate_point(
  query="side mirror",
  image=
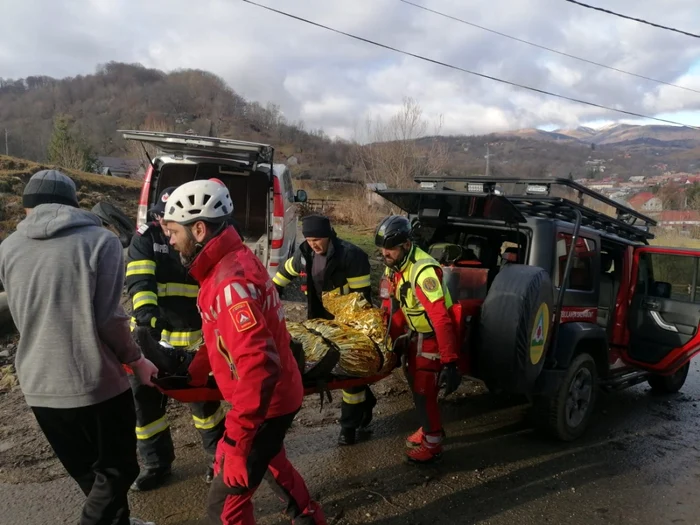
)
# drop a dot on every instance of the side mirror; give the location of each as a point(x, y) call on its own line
point(301, 196)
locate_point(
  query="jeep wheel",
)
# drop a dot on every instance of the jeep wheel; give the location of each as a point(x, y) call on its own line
point(567, 414)
point(669, 384)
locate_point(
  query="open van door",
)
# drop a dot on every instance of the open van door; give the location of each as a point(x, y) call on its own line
point(664, 314)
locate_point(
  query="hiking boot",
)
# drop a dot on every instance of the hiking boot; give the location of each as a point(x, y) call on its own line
point(312, 515)
point(347, 437)
point(136, 521)
point(151, 478)
point(424, 454)
point(416, 439)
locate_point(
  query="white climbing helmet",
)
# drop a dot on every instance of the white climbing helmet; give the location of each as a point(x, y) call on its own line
point(199, 200)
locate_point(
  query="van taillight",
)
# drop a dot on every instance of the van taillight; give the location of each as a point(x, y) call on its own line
point(277, 216)
point(142, 212)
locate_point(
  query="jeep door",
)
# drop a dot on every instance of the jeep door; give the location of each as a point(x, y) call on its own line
point(664, 309)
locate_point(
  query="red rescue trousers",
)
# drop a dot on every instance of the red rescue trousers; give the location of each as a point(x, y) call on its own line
point(267, 459)
point(422, 375)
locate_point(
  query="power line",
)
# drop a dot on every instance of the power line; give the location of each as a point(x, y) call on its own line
point(457, 68)
point(546, 48)
point(632, 18)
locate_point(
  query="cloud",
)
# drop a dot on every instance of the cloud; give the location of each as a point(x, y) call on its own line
point(333, 82)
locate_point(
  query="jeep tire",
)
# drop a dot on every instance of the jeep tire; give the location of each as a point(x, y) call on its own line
point(566, 414)
point(514, 331)
point(669, 384)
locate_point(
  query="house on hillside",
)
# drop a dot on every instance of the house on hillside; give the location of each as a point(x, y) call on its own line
point(637, 178)
point(646, 202)
point(118, 167)
point(679, 220)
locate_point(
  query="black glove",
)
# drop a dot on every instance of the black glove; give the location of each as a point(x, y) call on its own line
point(156, 327)
point(449, 378)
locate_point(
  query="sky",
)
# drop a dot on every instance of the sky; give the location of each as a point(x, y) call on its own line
point(332, 82)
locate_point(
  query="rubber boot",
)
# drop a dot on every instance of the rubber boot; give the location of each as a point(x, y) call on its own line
point(151, 478)
point(209, 476)
point(347, 437)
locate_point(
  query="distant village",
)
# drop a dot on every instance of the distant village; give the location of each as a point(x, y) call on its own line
point(671, 198)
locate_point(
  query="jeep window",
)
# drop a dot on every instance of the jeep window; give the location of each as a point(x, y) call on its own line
point(667, 276)
point(582, 277)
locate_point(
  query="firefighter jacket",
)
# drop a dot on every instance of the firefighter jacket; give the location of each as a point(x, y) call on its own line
point(347, 270)
point(248, 345)
point(163, 295)
point(425, 303)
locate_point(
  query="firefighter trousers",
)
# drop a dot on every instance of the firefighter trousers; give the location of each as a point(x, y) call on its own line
point(356, 408)
point(97, 447)
point(267, 460)
point(155, 443)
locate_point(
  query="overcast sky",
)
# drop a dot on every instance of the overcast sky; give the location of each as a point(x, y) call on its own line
point(334, 82)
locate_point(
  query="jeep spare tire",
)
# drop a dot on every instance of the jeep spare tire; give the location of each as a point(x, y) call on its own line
point(515, 329)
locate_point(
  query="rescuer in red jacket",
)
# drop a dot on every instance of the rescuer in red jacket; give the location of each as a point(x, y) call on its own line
point(247, 348)
point(433, 351)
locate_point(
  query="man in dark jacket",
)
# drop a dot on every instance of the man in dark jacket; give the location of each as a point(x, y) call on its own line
point(328, 263)
point(164, 299)
point(64, 276)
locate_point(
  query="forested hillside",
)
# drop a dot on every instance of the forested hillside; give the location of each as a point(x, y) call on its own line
point(131, 96)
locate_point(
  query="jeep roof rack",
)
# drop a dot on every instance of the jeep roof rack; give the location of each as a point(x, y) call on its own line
point(532, 198)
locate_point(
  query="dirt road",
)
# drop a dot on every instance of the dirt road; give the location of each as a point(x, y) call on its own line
point(637, 465)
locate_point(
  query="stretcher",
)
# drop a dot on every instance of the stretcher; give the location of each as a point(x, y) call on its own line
point(180, 389)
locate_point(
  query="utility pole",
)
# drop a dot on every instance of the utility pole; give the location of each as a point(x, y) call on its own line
point(7, 150)
point(488, 160)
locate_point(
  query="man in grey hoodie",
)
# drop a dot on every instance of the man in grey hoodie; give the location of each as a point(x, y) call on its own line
point(64, 275)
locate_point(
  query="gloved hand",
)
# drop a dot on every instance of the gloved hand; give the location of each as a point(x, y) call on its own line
point(156, 327)
point(235, 470)
point(449, 378)
point(144, 370)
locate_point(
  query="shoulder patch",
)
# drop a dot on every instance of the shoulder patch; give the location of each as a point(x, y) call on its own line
point(430, 284)
point(142, 229)
point(242, 316)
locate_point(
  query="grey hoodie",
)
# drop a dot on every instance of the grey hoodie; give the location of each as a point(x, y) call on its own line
point(64, 275)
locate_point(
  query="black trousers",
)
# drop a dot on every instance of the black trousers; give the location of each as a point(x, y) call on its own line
point(356, 408)
point(97, 446)
point(155, 443)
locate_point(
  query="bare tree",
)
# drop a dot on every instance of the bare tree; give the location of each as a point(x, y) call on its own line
point(397, 151)
point(135, 149)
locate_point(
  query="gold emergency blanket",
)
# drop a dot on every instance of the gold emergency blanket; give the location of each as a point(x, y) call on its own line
point(314, 345)
point(358, 332)
point(359, 355)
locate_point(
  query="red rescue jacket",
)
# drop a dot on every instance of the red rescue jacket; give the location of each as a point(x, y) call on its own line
point(246, 337)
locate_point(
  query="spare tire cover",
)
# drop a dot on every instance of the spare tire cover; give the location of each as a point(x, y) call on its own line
point(515, 328)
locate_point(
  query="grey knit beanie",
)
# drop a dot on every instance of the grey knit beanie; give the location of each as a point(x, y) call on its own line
point(49, 186)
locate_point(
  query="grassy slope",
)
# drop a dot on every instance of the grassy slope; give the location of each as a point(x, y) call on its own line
point(92, 188)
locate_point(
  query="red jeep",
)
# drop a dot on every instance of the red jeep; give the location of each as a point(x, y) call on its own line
point(545, 320)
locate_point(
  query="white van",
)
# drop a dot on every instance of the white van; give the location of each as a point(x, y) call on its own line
point(262, 192)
